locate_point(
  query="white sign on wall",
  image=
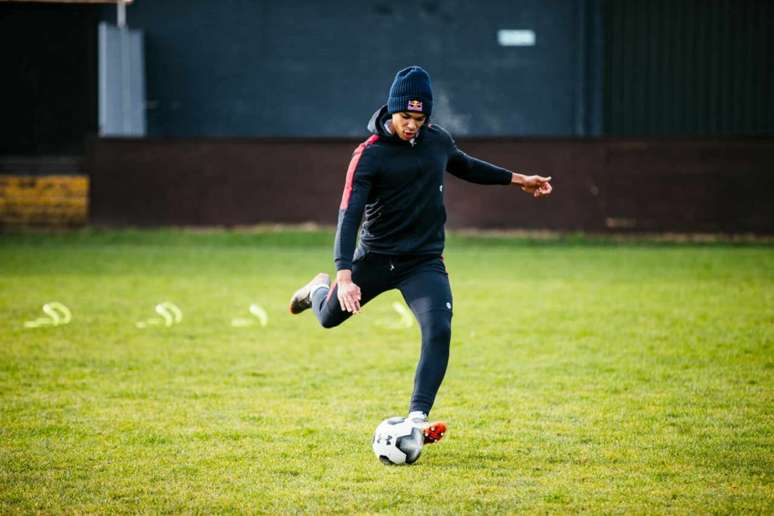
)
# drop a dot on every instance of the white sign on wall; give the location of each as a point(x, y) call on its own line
point(516, 38)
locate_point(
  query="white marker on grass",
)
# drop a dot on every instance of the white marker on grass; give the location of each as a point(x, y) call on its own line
point(169, 312)
point(260, 313)
point(406, 321)
point(177, 314)
point(255, 310)
point(241, 323)
point(67, 315)
point(58, 314)
point(169, 319)
point(37, 323)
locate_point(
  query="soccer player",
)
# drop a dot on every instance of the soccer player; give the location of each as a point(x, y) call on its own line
point(394, 186)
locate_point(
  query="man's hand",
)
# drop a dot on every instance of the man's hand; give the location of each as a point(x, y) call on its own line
point(538, 186)
point(347, 292)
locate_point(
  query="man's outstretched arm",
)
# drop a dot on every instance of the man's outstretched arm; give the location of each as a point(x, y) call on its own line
point(475, 170)
point(478, 171)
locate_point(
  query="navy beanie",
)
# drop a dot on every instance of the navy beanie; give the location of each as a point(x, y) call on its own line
point(411, 91)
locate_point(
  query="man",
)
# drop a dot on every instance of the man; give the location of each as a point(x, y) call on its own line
point(394, 186)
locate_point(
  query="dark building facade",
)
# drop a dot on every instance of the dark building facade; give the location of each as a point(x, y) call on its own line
point(231, 68)
point(310, 68)
point(688, 67)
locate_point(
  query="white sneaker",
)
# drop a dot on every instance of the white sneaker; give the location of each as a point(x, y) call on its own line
point(302, 299)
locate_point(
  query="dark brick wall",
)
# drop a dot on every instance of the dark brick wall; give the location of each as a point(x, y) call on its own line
point(48, 78)
point(600, 185)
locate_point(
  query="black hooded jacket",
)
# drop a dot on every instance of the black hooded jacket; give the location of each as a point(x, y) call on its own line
point(395, 188)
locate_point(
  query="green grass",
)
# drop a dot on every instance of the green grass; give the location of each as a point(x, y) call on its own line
point(584, 376)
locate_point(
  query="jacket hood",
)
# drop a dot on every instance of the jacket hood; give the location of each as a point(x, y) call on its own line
point(376, 126)
point(378, 119)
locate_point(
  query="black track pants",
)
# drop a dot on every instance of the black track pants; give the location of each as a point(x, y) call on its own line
point(425, 286)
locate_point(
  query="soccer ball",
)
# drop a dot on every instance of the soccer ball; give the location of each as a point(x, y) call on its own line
point(397, 441)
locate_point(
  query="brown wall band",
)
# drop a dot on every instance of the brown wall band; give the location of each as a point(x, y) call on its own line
point(600, 185)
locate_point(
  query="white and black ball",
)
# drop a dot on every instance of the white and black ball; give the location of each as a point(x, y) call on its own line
point(397, 441)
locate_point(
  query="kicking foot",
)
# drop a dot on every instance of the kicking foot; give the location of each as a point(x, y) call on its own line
point(433, 431)
point(302, 299)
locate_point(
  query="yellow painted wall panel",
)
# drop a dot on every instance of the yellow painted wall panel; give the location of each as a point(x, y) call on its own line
point(55, 200)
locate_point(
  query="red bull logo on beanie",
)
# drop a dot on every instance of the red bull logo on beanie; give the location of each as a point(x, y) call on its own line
point(414, 105)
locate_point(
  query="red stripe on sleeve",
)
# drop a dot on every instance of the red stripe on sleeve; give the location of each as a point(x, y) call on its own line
point(351, 170)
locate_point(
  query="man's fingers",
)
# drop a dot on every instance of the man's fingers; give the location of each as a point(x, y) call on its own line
point(544, 179)
point(543, 190)
point(344, 302)
point(350, 302)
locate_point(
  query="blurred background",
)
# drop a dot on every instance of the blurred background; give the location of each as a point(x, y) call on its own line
point(651, 115)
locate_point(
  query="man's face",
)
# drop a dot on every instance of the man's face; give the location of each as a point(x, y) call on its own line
point(406, 125)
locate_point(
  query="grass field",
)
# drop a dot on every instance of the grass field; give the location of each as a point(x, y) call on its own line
point(584, 376)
